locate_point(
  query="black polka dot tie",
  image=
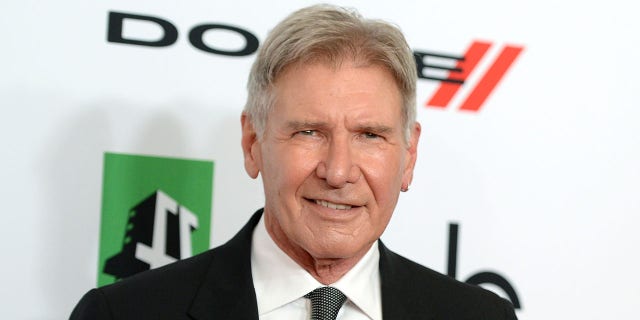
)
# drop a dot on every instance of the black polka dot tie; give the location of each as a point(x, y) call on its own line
point(325, 303)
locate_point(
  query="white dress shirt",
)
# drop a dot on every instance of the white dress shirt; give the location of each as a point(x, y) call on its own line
point(281, 283)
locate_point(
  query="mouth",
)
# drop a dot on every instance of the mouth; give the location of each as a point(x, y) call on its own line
point(331, 205)
point(334, 205)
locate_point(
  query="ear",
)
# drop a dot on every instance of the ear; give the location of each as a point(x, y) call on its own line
point(250, 147)
point(412, 150)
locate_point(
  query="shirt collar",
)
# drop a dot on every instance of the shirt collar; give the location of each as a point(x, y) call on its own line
point(362, 284)
point(278, 280)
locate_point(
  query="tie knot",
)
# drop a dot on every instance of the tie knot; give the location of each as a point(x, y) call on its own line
point(325, 303)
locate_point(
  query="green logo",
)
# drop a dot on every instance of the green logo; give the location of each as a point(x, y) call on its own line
point(154, 211)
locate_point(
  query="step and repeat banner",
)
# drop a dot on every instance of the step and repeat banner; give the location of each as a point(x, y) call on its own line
point(120, 132)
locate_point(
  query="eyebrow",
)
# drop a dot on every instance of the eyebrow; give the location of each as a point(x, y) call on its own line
point(367, 127)
point(375, 128)
point(300, 125)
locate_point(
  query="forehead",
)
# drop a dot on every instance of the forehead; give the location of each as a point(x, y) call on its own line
point(347, 89)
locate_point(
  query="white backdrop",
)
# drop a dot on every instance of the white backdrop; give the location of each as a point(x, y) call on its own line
point(544, 180)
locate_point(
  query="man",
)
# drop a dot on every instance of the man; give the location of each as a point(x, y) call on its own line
point(330, 126)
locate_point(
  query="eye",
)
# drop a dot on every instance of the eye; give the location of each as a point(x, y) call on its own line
point(307, 132)
point(370, 135)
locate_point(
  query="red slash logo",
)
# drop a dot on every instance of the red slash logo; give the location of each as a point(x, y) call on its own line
point(464, 67)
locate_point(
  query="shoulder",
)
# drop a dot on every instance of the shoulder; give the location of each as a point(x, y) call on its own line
point(158, 293)
point(174, 290)
point(443, 296)
point(181, 274)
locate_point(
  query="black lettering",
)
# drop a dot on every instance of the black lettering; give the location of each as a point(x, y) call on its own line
point(116, 20)
point(497, 280)
point(452, 258)
point(422, 65)
point(251, 42)
point(481, 277)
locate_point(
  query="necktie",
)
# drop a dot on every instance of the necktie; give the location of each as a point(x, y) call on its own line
point(325, 303)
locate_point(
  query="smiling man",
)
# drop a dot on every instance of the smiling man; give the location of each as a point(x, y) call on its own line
point(330, 127)
point(333, 158)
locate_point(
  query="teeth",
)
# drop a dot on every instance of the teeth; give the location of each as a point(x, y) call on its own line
point(333, 205)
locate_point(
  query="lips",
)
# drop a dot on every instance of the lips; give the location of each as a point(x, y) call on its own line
point(332, 205)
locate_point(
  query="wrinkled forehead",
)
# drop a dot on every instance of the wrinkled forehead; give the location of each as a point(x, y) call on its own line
point(324, 90)
point(335, 64)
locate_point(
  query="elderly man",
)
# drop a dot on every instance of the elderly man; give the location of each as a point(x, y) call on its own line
point(330, 126)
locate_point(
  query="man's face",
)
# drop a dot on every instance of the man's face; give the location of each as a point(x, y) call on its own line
point(333, 158)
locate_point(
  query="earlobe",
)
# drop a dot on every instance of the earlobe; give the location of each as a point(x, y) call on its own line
point(249, 147)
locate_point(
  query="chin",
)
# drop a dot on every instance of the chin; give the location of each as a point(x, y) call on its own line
point(344, 249)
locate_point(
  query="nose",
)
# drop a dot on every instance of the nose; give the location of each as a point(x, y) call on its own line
point(338, 167)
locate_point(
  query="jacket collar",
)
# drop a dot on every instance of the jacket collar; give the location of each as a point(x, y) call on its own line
point(400, 297)
point(227, 291)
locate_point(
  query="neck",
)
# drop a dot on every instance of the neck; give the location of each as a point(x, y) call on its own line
point(326, 270)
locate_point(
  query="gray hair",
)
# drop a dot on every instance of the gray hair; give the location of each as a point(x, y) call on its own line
point(330, 34)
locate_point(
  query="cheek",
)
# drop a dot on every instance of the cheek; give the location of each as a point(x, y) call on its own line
point(272, 175)
point(384, 176)
point(287, 168)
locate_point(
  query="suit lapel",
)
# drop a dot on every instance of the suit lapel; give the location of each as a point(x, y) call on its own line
point(400, 298)
point(227, 291)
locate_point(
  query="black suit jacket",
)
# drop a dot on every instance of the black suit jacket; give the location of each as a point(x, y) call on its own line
point(217, 284)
